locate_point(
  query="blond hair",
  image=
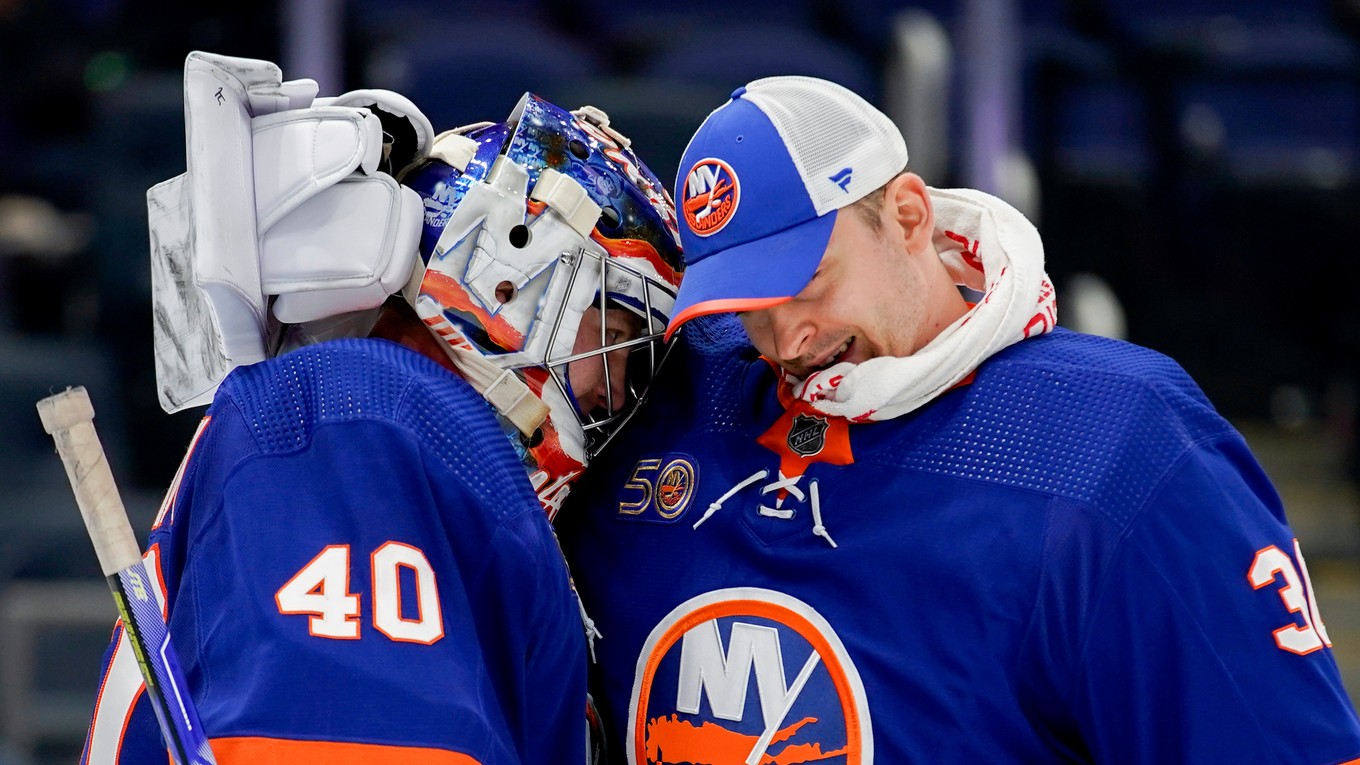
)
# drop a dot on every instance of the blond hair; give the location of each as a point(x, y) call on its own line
point(870, 206)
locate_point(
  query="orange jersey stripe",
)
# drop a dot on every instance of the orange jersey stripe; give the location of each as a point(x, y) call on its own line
point(252, 750)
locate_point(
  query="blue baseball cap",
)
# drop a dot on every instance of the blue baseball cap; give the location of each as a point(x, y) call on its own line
point(760, 184)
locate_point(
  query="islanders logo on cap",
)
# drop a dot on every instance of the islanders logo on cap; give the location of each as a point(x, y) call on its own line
point(710, 196)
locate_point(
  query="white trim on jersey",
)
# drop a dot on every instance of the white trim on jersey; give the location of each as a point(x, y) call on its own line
point(122, 683)
point(121, 688)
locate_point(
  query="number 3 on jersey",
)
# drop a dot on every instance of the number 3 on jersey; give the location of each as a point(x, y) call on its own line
point(321, 589)
point(1272, 564)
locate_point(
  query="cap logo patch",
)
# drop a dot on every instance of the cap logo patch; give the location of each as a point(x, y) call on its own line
point(711, 194)
point(842, 179)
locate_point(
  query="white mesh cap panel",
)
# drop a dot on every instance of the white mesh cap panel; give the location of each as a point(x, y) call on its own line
point(827, 129)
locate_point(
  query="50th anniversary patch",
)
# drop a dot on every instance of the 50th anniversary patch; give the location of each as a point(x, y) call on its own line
point(659, 489)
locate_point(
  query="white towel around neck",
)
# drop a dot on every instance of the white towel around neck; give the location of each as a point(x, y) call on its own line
point(987, 246)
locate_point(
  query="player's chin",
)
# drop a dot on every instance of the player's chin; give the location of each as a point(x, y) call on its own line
point(589, 406)
point(595, 412)
point(598, 414)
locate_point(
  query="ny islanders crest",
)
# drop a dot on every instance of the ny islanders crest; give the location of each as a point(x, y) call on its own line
point(710, 196)
point(747, 676)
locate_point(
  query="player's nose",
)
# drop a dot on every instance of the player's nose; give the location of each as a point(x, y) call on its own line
point(793, 334)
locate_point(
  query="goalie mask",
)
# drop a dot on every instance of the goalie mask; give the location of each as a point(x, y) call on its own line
point(530, 226)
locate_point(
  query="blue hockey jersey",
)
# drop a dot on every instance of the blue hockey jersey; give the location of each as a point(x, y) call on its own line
point(356, 570)
point(1071, 559)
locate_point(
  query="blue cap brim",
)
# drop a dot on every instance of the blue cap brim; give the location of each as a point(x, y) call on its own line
point(753, 275)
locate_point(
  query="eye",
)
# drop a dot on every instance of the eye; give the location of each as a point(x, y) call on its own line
point(621, 326)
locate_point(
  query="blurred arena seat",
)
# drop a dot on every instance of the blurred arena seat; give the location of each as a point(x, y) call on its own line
point(41, 533)
point(1235, 35)
point(636, 31)
point(1100, 133)
point(377, 20)
point(1267, 180)
point(734, 54)
point(51, 637)
point(1286, 131)
point(868, 24)
point(917, 85)
point(476, 69)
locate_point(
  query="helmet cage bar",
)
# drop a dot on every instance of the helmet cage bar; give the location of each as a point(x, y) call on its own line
point(621, 418)
point(639, 340)
point(600, 428)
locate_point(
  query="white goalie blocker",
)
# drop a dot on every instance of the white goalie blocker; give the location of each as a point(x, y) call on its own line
point(283, 209)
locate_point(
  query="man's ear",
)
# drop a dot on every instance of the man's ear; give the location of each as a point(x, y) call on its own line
point(907, 203)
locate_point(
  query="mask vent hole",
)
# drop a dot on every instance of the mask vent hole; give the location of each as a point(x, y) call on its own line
point(578, 148)
point(519, 236)
point(609, 218)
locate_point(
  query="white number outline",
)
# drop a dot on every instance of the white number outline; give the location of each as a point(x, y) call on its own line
point(334, 616)
point(321, 589)
point(1271, 563)
point(428, 626)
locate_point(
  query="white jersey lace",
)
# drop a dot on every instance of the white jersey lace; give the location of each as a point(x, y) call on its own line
point(782, 483)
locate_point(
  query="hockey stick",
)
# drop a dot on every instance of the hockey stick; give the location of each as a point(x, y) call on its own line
point(69, 418)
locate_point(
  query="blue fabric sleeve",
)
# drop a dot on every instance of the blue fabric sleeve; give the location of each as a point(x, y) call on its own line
point(1179, 663)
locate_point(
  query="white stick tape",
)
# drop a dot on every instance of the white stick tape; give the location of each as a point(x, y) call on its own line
point(69, 418)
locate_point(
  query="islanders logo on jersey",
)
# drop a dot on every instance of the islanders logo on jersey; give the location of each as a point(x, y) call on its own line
point(710, 196)
point(747, 675)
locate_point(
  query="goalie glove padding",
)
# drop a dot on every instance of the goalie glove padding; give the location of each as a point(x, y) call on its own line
point(408, 134)
point(282, 199)
point(345, 249)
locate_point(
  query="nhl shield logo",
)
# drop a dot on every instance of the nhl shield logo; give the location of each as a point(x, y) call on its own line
point(807, 435)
